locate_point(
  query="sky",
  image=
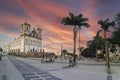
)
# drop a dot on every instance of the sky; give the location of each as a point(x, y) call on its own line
point(47, 14)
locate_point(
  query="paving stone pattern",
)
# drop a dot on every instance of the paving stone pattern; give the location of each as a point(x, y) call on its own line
point(30, 72)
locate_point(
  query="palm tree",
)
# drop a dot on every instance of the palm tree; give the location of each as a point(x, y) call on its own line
point(117, 20)
point(115, 38)
point(82, 22)
point(105, 26)
point(73, 21)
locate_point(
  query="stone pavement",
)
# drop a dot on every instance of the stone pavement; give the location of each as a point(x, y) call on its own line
point(8, 70)
point(15, 68)
point(30, 72)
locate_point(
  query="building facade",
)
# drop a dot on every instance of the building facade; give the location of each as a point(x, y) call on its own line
point(28, 41)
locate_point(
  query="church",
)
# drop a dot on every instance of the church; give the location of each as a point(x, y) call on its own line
point(28, 41)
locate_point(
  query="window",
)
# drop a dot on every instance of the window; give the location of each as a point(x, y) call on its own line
point(26, 41)
point(27, 28)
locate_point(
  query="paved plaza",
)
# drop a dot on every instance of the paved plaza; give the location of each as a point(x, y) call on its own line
point(15, 68)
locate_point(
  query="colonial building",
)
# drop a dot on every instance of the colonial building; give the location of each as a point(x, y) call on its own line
point(28, 41)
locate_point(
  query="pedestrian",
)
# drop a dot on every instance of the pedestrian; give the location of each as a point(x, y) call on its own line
point(70, 61)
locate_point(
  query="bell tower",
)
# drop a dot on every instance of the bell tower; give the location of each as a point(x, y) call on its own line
point(39, 32)
point(25, 28)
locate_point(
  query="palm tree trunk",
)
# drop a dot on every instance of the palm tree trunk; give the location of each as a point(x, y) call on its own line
point(75, 35)
point(106, 51)
point(43, 55)
point(97, 56)
point(79, 44)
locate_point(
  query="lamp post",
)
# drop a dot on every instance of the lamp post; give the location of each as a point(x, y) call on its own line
point(61, 50)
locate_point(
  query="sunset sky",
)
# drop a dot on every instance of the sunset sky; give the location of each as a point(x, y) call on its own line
point(47, 14)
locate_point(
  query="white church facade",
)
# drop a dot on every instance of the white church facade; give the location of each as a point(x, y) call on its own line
point(28, 41)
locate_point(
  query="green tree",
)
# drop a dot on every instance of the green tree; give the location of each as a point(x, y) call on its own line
point(73, 21)
point(80, 49)
point(115, 38)
point(96, 44)
point(64, 51)
point(105, 24)
point(117, 20)
point(82, 22)
point(98, 41)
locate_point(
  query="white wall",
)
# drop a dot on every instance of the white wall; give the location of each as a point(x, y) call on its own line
point(32, 43)
point(22, 44)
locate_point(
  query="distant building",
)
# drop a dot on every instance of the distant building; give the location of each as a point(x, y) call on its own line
point(28, 41)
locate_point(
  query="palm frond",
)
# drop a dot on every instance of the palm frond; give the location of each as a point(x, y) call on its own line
point(72, 16)
point(80, 15)
point(107, 20)
point(97, 34)
point(66, 21)
point(84, 24)
point(106, 24)
point(111, 23)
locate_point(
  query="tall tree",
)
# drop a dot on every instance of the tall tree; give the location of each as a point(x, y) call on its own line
point(117, 20)
point(96, 44)
point(98, 41)
point(73, 21)
point(115, 38)
point(82, 22)
point(105, 24)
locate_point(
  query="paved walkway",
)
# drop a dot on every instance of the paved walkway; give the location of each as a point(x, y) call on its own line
point(8, 71)
point(30, 72)
point(15, 68)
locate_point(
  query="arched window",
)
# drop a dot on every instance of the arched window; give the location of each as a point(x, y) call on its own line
point(27, 28)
